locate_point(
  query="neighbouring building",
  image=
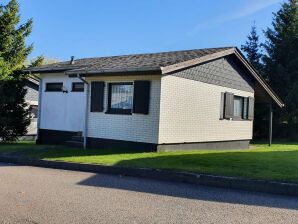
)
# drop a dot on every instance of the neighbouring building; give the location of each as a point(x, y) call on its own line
point(31, 99)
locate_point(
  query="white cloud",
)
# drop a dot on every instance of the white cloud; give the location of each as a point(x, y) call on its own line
point(246, 10)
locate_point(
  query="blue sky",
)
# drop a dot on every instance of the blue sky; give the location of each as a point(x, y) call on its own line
point(89, 28)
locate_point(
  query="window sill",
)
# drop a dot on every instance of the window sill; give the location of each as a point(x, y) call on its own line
point(119, 112)
point(239, 119)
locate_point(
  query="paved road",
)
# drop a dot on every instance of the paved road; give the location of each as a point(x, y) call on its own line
point(39, 195)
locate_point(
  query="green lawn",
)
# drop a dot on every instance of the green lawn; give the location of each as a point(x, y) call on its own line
point(279, 162)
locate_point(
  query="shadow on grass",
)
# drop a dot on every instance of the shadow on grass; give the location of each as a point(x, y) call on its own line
point(268, 165)
point(271, 165)
point(188, 191)
point(281, 165)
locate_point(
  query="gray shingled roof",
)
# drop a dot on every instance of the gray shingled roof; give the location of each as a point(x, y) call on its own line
point(135, 61)
point(162, 63)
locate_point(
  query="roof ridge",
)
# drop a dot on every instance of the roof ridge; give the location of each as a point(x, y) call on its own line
point(162, 52)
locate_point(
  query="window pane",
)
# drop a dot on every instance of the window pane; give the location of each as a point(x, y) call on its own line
point(238, 104)
point(78, 87)
point(54, 87)
point(121, 96)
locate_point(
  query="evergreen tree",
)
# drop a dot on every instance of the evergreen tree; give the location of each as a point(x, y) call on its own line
point(252, 49)
point(13, 49)
point(14, 113)
point(281, 60)
point(40, 60)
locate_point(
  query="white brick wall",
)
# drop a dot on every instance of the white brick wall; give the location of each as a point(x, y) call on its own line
point(180, 110)
point(189, 112)
point(135, 127)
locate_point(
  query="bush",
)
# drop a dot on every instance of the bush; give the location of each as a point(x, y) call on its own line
point(14, 112)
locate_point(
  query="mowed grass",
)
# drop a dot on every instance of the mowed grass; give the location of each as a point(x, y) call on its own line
point(278, 162)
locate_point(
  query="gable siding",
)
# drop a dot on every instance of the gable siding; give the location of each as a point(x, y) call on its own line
point(32, 94)
point(135, 127)
point(222, 72)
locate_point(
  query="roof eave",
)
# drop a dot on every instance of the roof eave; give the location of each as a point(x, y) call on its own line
point(44, 70)
point(97, 72)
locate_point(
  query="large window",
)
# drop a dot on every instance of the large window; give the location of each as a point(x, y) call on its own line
point(240, 107)
point(54, 87)
point(120, 98)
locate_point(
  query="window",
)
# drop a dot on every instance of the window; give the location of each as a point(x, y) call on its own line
point(240, 107)
point(54, 87)
point(120, 99)
point(77, 87)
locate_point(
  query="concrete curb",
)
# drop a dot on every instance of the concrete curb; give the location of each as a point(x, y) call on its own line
point(164, 175)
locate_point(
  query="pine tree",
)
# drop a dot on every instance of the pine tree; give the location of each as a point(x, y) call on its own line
point(281, 59)
point(252, 49)
point(14, 113)
point(13, 49)
point(40, 60)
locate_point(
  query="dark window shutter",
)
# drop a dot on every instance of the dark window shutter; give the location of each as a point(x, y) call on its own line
point(141, 97)
point(222, 106)
point(251, 104)
point(97, 96)
point(245, 108)
point(229, 105)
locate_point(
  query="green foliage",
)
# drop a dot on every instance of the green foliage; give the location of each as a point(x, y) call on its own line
point(14, 115)
point(281, 60)
point(40, 60)
point(279, 68)
point(13, 48)
point(5, 72)
point(252, 49)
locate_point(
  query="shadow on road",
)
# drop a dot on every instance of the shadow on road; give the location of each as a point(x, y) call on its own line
point(190, 191)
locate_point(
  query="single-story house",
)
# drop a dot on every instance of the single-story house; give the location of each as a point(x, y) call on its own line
point(190, 99)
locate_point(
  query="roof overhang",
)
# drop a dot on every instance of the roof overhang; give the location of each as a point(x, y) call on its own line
point(44, 70)
point(113, 72)
point(233, 51)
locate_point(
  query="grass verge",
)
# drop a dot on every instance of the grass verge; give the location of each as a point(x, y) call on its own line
point(279, 162)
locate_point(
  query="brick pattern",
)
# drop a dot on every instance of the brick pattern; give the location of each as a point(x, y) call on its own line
point(223, 72)
point(135, 127)
point(190, 112)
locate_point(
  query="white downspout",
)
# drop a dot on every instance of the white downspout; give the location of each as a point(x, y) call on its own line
point(86, 110)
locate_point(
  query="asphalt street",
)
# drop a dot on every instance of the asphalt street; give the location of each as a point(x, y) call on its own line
point(40, 195)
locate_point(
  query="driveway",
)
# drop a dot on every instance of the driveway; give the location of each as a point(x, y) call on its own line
point(39, 195)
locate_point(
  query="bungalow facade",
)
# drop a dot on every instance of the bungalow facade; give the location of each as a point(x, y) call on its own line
point(193, 99)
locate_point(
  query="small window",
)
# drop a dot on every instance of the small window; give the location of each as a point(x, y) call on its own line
point(77, 87)
point(120, 99)
point(54, 87)
point(240, 107)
